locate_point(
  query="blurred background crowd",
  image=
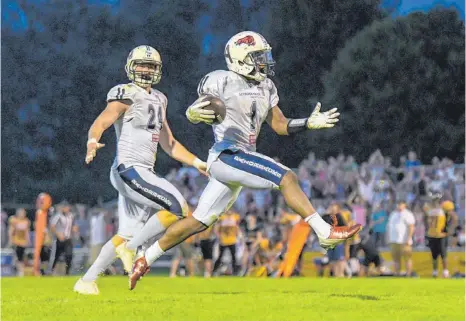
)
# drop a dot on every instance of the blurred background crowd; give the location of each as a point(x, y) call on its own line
point(256, 231)
point(393, 68)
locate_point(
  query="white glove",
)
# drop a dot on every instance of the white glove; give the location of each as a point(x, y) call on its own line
point(196, 113)
point(319, 120)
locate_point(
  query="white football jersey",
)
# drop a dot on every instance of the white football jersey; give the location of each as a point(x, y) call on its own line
point(247, 105)
point(138, 129)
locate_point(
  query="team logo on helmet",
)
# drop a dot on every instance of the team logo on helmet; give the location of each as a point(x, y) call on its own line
point(248, 40)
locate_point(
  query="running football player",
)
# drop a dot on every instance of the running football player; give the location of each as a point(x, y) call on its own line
point(138, 112)
point(250, 98)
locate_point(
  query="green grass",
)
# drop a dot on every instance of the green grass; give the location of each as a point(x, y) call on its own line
point(160, 298)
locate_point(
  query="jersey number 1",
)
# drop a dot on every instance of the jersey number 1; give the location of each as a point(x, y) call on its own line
point(152, 124)
point(253, 115)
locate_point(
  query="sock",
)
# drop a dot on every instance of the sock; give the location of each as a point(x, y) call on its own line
point(321, 227)
point(153, 253)
point(106, 257)
point(152, 227)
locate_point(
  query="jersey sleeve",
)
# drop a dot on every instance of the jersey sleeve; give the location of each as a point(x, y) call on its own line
point(273, 100)
point(120, 92)
point(410, 220)
point(213, 84)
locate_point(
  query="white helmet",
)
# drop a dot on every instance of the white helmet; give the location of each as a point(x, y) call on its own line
point(248, 53)
point(144, 55)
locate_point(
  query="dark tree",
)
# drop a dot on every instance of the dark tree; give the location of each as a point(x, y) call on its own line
point(400, 85)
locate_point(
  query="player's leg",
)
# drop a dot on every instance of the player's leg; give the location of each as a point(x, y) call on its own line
point(130, 218)
point(19, 260)
point(207, 250)
point(58, 250)
point(68, 255)
point(396, 256)
point(218, 261)
point(144, 187)
point(434, 250)
point(407, 255)
point(156, 224)
point(255, 170)
point(232, 249)
point(187, 254)
point(443, 255)
point(175, 263)
point(215, 199)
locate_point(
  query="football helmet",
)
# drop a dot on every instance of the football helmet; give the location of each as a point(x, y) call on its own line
point(248, 53)
point(144, 55)
point(448, 206)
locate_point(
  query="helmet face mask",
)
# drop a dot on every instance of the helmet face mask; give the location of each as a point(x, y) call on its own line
point(144, 66)
point(145, 73)
point(262, 61)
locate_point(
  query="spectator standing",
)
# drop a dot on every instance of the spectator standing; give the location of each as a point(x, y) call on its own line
point(83, 225)
point(228, 231)
point(63, 226)
point(366, 188)
point(4, 232)
point(97, 235)
point(337, 256)
point(206, 241)
point(400, 236)
point(378, 224)
point(19, 226)
point(412, 160)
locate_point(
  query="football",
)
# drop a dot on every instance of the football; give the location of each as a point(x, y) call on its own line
point(219, 108)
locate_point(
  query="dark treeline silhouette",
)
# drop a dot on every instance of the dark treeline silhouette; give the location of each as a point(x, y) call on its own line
point(399, 83)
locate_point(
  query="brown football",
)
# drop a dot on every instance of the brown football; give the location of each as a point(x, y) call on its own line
point(217, 105)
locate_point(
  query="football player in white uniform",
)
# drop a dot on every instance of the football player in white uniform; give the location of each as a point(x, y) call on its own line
point(250, 98)
point(138, 113)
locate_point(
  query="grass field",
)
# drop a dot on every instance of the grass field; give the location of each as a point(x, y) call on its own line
point(160, 298)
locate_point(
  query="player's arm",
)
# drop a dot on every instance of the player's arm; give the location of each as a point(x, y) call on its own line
point(454, 222)
point(11, 231)
point(287, 126)
point(28, 232)
point(177, 151)
point(106, 119)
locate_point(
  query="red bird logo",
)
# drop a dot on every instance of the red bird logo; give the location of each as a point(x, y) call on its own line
point(249, 40)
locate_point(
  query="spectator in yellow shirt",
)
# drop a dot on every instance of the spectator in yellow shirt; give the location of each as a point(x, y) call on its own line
point(19, 226)
point(227, 230)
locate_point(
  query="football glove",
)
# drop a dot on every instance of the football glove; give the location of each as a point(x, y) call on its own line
point(196, 113)
point(319, 120)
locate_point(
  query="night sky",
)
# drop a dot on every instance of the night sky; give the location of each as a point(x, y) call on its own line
point(13, 15)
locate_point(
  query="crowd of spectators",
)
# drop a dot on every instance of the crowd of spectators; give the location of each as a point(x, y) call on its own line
point(370, 191)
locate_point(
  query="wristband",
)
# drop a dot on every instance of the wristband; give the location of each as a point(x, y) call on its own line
point(296, 125)
point(91, 141)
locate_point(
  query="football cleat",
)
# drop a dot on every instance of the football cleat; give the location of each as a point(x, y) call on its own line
point(126, 256)
point(338, 235)
point(86, 288)
point(140, 269)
